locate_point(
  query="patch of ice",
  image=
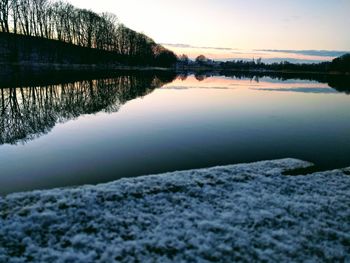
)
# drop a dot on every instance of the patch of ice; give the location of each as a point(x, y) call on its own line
point(246, 212)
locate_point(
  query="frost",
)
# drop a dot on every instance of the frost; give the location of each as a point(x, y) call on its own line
point(246, 212)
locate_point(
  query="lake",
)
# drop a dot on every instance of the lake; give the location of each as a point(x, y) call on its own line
point(99, 130)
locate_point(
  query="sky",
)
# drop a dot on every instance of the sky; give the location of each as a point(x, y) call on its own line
point(233, 29)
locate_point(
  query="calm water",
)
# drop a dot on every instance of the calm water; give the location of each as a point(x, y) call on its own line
point(96, 131)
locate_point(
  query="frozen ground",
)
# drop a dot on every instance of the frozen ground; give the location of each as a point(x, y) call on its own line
point(247, 212)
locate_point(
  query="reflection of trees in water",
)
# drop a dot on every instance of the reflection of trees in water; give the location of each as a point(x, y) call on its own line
point(29, 112)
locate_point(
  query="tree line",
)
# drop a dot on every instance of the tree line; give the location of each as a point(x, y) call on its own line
point(62, 21)
point(338, 65)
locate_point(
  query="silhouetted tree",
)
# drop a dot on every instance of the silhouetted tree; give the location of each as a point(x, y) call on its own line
point(201, 60)
point(5, 6)
point(341, 64)
point(184, 59)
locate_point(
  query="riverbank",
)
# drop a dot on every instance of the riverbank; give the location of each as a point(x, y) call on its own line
point(245, 212)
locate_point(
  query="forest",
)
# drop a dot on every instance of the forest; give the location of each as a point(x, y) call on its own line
point(56, 20)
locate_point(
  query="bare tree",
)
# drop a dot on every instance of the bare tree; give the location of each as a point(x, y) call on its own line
point(5, 15)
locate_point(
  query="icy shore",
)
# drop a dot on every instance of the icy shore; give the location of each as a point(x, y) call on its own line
point(246, 212)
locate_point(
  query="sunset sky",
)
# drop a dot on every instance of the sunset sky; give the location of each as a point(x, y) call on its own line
point(233, 29)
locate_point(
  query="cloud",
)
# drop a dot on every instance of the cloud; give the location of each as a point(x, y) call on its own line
point(293, 60)
point(198, 47)
point(291, 18)
point(320, 53)
point(274, 59)
point(268, 55)
point(177, 45)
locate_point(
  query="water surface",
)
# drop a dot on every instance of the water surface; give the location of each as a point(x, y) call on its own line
point(95, 131)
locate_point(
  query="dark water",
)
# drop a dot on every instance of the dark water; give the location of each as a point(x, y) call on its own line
point(94, 131)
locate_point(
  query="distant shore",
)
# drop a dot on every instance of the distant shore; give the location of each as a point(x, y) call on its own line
point(269, 71)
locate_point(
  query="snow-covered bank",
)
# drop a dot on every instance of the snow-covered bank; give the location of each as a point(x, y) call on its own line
point(247, 212)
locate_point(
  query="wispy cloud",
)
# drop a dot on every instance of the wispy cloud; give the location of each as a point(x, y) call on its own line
point(291, 18)
point(321, 53)
point(268, 55)
point(198, 47)
point(273, 59)
point(293, 60)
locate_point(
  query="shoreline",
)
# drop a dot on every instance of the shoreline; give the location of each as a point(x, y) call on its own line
point(238, 212)
point(59, 67)
point(71, 66)
point(36, 74)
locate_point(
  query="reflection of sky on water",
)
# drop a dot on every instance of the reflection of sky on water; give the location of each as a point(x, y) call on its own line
point(304, 90)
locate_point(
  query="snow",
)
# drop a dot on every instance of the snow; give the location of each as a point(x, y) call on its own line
point(246, 212)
